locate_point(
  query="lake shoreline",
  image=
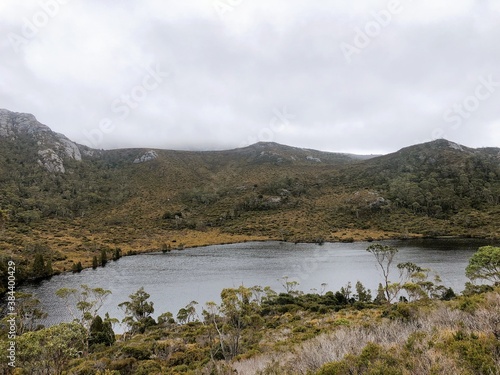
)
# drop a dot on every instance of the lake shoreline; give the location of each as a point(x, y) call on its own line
point(351, 237)
point(185, 240)
point(200, 274)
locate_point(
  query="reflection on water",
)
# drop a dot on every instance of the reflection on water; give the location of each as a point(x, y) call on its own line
point(174, 279)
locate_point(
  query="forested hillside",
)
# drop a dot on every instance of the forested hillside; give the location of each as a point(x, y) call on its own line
point(69, 203)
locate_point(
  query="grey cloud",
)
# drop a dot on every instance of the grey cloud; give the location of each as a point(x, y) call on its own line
point(228, 75)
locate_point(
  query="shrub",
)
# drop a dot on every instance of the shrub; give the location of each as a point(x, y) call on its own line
point(124, 365)
point(373, 360)
point(77, 267)
point(471, 289)
point(147, 368)
point(139, 351)
point(399, 311)
point(475, 353)
point(177, 359)
point(101, 332)
point(180, 369)
point(448, 295)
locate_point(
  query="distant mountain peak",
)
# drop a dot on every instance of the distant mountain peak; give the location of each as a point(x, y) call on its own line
point(51, 147)
point(440, 144)
point(15, 122)
point(266, 144)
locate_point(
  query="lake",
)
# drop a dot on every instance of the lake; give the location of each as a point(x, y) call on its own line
point(176, 278)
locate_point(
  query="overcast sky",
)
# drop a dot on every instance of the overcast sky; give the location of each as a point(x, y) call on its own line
point(362, 76)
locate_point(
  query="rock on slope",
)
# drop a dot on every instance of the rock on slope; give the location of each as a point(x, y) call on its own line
point(52, 148)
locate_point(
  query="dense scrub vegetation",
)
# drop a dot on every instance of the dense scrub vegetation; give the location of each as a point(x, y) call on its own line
point(259, 331)
point(106, 202)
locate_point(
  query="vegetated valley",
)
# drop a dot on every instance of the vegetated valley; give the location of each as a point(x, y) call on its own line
point(64, 206)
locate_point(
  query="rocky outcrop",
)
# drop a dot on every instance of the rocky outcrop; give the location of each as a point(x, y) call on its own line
point(148, 156)
point(12, 124)
point(70, 149)
point(51, 161)
point(312, 158)
point(53, 148)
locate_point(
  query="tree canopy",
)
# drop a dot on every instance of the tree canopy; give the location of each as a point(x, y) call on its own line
point(138, 311)
point(485, 264)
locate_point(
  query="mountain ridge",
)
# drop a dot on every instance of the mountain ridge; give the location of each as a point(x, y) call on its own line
point(27, 124)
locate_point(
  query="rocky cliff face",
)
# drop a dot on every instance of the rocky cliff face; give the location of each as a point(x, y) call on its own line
point(52, 148)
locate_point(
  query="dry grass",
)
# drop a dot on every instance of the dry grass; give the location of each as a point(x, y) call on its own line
point(79, 244)
point(79, 239)
point(435, 324)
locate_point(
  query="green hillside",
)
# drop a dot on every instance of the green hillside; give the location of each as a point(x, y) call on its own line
point(69, 202)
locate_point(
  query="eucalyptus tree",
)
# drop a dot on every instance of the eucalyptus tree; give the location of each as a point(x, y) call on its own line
point(138, 311)
point(485, 265)
point(84, 303)
point(384, 255)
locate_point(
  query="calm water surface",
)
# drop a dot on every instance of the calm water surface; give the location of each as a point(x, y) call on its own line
point(174, 279)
